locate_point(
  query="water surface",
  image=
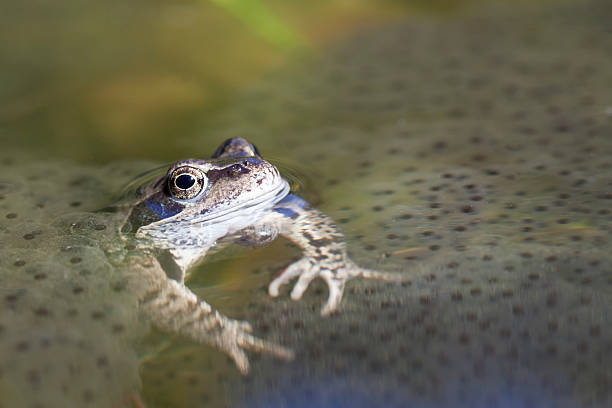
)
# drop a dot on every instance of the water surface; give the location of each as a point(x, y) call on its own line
point(470, 152)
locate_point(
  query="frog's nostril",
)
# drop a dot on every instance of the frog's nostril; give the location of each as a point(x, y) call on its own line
point(185, 181)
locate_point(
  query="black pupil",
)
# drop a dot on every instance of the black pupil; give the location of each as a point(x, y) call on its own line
point(185, 181)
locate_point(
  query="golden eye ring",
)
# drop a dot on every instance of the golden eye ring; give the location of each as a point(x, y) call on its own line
point(186, 182)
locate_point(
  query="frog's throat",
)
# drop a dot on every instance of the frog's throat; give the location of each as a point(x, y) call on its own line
point(253, 207)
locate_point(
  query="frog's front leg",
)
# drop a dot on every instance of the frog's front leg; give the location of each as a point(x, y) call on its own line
point(324, 253)
point(173, 307)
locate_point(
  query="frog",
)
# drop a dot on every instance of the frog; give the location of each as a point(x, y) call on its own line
point(235, 196)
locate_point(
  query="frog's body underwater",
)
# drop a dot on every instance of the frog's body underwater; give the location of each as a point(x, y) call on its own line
point(234, 196)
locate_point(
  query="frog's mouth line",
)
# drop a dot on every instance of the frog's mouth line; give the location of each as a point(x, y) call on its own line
point(262, 202)
point(254, 205)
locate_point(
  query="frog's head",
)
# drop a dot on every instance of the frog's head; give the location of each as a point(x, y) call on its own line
point(198, 201)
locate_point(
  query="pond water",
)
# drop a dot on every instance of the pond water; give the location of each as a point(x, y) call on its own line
point(470, 151)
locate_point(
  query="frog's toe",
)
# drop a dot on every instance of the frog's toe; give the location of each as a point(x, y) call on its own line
point(236, 340)
point(292, 271)
point(244, 326)
point(336, 289)
point(303, 283)
point(386, 276)
point(240, 359)
point(252, 343)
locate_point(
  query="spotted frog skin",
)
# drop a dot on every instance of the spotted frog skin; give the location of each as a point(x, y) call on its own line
point(236, 196)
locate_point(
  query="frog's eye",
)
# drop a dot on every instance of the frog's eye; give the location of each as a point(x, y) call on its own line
point(186, 182)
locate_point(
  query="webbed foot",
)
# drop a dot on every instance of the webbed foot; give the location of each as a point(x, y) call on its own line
point(335, 275)
point(234, 337)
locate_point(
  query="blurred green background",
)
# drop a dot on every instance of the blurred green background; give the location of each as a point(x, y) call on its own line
point(98, 81)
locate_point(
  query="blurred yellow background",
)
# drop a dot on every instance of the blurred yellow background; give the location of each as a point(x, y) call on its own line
point(97, 81)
